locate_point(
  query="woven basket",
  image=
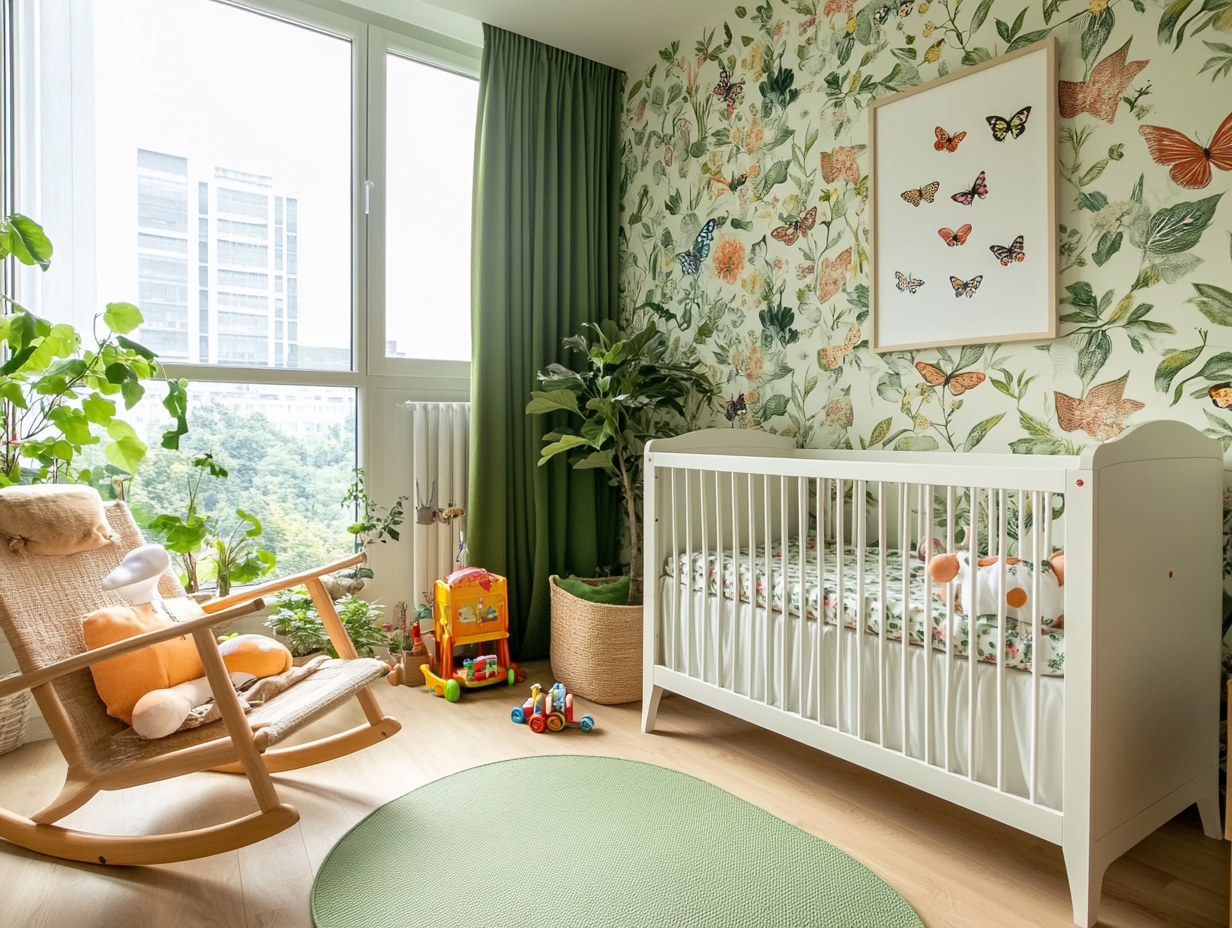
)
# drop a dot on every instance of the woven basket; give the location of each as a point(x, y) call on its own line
point(13, 711)
point(596, 648)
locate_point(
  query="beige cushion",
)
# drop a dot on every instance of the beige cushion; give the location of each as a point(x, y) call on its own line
point(53, 519)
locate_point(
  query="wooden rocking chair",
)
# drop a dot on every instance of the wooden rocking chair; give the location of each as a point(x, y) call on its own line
point(42, 602)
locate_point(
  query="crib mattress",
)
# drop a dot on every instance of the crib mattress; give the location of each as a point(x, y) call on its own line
point(768, 582)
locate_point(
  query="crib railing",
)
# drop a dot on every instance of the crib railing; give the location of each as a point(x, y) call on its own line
point(737, 508)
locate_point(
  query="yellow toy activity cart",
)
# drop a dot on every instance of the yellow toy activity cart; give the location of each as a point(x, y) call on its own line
point(471, 607)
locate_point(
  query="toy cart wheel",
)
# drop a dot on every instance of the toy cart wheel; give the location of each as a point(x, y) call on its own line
point(511, 678)
point(587, 723)
point(452, 690)
point(517, 715)
point(537, 724)
point(556, 721)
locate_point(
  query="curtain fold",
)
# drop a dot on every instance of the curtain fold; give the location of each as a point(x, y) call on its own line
point(545, 259)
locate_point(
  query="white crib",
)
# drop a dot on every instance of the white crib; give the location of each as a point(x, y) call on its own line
point(1090, 738)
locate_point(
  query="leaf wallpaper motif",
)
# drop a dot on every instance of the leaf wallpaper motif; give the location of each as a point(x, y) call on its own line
point(744, 181)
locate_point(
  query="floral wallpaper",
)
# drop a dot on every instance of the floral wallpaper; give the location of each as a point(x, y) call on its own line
point(744, 230)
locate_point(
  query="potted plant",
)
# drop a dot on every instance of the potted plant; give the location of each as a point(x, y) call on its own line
point(297, 622)
point(375, 525)
point(57, 397)
point(627, 391)
point(231, 555)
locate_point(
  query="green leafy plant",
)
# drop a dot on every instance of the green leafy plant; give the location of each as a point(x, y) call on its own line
point(375, 524)
point(297, 621)
point(55, 395)
point(629, 390)
point(233, 556)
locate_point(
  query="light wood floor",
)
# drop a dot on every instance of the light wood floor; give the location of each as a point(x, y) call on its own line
point(955, 867)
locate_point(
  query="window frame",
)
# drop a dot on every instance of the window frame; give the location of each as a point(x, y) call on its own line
point(382, 43)
point(382, 385)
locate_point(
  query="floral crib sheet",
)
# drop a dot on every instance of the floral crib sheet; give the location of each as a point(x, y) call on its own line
point(1018, 650)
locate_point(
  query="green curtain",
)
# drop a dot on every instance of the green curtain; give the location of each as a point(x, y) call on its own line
point(545, 259)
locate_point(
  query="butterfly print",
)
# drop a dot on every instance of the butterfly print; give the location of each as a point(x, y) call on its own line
point(832, 357)
point(967, 197)
point(1100, 413)
point(830, 274)
point(882, 14)
point(1100, 94)
point(1008, 256)
point(1221, 394)
point(947, 142)
point(953, 238)
point(787, 234)
point(965, 288)
point(691, 260)
point(1191, 163)
point(735, 407)
point(1016, 125)
point(905, 8)
point(728, 91)
point(925, 193)
point(958, 383)
point(907, 283)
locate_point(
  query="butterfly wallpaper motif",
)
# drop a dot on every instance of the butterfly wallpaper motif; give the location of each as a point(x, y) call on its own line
point(751, 134)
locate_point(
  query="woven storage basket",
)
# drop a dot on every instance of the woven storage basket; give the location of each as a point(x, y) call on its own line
point(13, 712)
point(596, 648)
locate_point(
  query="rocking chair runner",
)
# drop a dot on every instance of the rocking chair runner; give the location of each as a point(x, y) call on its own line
point(42, 602)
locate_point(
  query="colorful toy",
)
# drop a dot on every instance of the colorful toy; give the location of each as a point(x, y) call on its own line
point(471, 607)
point(549, 711)
point(979, 596)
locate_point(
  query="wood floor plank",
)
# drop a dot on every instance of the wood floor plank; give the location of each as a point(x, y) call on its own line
point(957, 868)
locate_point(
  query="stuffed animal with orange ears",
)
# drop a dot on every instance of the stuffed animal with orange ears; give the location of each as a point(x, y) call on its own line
point(977, 590)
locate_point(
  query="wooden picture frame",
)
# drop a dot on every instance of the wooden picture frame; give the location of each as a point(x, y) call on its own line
point(928, 245)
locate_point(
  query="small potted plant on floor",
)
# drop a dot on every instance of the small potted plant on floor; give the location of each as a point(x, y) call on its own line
point(629, 390)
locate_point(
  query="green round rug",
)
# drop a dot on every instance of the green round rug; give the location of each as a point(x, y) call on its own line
point(570, 841)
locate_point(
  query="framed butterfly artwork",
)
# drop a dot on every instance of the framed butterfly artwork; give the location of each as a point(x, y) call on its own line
point(963, 206)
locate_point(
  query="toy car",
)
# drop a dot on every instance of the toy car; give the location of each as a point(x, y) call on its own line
point(549, 711)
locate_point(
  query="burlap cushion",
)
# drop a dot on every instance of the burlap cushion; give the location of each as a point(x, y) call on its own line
point(53, 519)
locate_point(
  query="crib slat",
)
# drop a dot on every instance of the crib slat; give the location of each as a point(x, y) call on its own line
point(926, 518)
point(950, 505)
point(735, 564)
point(767, 634)
point(682, 582)
point(704, 624)
point(784, 681)
point(823, 489)
point(801, 601)
point(840, 565)
point(859, 503)
point(1002, 582)
point(904, 556)
point(883, 619)
point(973, 544)
point(752, 610)
point(1036, 615)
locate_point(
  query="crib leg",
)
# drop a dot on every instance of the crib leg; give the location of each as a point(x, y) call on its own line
point(650, 706)
point(1086, 881)
point(1208, 808)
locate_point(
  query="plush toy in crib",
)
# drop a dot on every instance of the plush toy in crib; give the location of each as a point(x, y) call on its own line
point(156, 688)
point(979, 597)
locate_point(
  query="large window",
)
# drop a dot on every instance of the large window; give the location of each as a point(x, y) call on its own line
point(225, 167)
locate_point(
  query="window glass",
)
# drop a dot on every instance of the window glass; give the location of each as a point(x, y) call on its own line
point(216, 130)
point(430, 142)
point(289, 452)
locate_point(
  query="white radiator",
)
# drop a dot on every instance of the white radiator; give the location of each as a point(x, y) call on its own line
point(440, 448)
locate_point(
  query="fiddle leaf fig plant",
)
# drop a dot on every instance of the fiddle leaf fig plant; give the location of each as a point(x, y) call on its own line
point(58, 397)
point(629, 390)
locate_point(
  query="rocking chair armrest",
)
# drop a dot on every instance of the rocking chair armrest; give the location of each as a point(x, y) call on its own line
point(77, 662)
point(274, 586)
